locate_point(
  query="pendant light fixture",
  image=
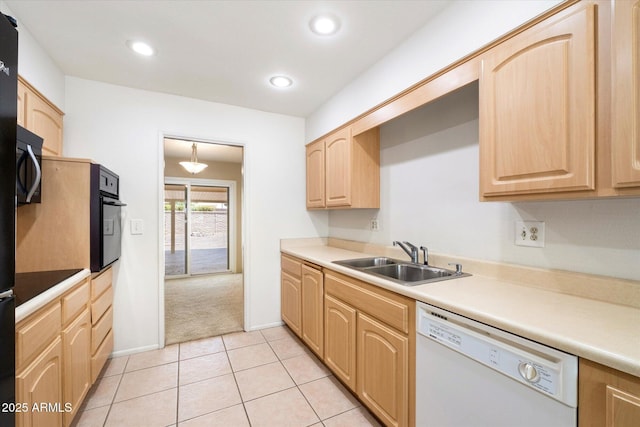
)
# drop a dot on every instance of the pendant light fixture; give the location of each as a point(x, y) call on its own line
point(193, 167)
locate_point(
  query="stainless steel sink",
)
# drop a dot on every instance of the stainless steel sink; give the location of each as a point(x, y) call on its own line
point(368, 262)
point(411, 273)
point(402, 272)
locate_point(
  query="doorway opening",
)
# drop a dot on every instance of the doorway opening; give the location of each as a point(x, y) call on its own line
point(203, 268)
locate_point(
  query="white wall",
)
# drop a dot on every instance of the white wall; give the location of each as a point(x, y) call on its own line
point(36, 66)
point(461, 28)
point(429, 196)
point(122, 128)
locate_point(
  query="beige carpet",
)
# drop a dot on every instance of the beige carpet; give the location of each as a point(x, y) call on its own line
point(204, 306)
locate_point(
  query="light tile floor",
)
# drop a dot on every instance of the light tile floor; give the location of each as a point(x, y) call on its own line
point(259, 378)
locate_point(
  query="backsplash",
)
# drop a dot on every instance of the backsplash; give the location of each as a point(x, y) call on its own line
point(429, 196)
point(601, 288)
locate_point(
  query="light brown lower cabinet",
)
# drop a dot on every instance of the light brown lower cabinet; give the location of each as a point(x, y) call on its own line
point(53, 360)
point(77, 364)
point(291, 293)
point(302, 301)
point(382, 374)
point(340, 340)
point(101, 342)
point(41, 383)
point(370, 346)
point(607, 397)
point(312, 309)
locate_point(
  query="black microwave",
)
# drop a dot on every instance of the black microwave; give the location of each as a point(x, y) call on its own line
point(28, 166)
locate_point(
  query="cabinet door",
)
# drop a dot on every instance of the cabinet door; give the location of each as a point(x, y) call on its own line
point(41, 383)
point(46, 122)
point(312, 309)
point(315, 175)
point(22, 102)
point(76, 341)
point(607, 397)
point(537, 108)
point(338, 168)
point(383, 371)
point(625, 115)
point(340, 340)
point(290, 301)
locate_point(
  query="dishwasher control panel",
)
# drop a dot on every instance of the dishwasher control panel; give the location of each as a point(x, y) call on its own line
point(543, 368)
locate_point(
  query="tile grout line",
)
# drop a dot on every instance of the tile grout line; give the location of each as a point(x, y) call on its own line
point(359, 404)
point(178, 385)
point(242, 401)
point(141, 395)
point(195, 382)
point(124, 369)
point(244, 408)
point(297, 386)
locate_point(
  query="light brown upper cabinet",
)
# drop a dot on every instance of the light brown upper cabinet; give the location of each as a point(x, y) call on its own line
point(37, 114)
point(315, 175)
point(537, 108)
point(343, 171)
point(625, 117)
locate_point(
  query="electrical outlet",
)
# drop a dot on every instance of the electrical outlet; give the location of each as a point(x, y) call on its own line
point(374, 225)
point(530, 233)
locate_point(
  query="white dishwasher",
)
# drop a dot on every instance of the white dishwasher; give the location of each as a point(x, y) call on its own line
point(469, 374)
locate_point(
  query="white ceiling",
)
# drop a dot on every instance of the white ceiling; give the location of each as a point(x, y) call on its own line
point(223, 51)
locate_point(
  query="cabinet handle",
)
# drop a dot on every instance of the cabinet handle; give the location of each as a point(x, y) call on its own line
point(36, 181)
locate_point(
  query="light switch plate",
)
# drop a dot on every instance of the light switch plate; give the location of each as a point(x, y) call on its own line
point(529, 233)
point(136, 226)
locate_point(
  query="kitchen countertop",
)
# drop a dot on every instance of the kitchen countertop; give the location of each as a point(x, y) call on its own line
point(39, 301)
point(31, 284)
point(605, 332)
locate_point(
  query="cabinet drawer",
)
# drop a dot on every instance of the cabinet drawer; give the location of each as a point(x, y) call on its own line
point(101, 305)
point(390, 308)
point(74, 302)
point(100, 330)
point(36, 333)
point(100, 283)
point(291, 265)
point(100, 357)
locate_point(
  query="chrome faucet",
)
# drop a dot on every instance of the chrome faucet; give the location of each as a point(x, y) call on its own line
point(425, 253)
point(410, 249)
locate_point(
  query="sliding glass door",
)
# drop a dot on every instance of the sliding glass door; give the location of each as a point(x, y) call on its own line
point(209, 229)
point(175, 230)
point(196, 228)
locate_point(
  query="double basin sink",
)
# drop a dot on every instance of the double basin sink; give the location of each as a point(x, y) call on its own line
point(401, 272)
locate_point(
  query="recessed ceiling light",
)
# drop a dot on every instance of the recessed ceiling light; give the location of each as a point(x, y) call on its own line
point(324, 25)
point(280, 81)
point(140, 47)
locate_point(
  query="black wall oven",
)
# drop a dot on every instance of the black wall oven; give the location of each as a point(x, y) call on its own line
point(106, 219)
